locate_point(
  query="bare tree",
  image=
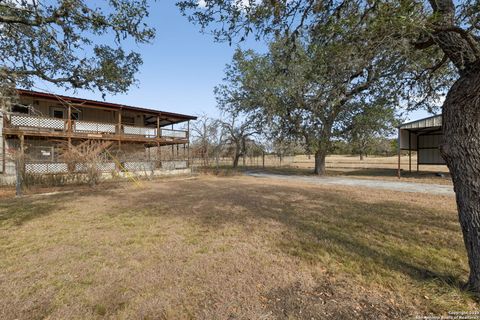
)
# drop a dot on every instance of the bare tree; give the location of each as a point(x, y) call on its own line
point(237, 131)
point(88, 154)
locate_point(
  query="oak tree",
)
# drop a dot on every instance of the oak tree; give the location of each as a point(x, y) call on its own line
point(444, 32)
point(75, 44)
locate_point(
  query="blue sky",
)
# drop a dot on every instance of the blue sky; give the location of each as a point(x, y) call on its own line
point(180, 68)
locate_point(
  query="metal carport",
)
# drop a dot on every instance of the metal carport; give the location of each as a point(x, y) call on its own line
point(423, 136)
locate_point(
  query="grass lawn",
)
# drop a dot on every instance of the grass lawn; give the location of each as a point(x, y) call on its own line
point(230, 248)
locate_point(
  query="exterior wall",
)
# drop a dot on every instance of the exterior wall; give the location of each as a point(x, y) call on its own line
point(429, 149)
point(404, 139)
point(43, 162)
point(45, 108)
point(41, 150)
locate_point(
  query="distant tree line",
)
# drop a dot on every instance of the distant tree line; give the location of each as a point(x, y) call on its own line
point(214, 139)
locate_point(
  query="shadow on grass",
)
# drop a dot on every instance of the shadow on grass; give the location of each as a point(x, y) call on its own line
point(19, 211)
point(388, 238)
point(352, 172)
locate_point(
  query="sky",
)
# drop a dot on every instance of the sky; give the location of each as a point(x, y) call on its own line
point(180, 68)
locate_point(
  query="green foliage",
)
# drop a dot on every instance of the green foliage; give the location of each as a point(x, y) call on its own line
point(305, 92)
point(370, 127)
point(350, 28)
point(59, 42)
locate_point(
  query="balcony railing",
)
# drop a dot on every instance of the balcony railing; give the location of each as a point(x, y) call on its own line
point(36, 123)
point(93, 127)
point(173, 133)
point(140, 131)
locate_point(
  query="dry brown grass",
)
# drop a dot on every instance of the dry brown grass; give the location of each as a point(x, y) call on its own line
point(230, 248)
point(372, 167)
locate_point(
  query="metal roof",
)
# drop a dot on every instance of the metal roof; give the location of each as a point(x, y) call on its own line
point(170, 115)
point(430, 122)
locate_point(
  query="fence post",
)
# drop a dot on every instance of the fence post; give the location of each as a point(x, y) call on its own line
point(19, 168)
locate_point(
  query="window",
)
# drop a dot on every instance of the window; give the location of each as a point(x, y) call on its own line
point(57, 113)
point(128, 120)
point(18, 108)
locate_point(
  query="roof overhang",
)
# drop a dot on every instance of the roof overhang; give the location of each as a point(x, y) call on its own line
point(430, 123)
point(171, 117)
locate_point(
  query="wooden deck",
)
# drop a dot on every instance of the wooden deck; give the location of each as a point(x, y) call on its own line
point(33, 126)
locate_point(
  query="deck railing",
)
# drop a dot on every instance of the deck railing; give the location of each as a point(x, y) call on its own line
point(169, 133)
point(140, 131)
point(37, 122)
point(29, 122)
point(93, 127)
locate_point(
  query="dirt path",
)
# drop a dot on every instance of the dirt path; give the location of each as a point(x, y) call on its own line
point(377, 184)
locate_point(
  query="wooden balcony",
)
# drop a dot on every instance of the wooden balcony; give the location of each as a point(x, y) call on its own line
point(27, 125)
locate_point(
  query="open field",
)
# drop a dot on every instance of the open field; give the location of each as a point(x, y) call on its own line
point(230, 248)
point(372, 167)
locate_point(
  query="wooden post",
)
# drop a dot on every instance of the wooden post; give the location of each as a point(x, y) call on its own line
point(119, 128)
point(263, 160)
point(188, 144)
point(20, 168)
point(158, 155)
point(158, 127)
point(3, 154)
point(69, 119)
point(399, 153)
point(69, 126)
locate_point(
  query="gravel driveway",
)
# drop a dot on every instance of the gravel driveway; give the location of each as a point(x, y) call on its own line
point(368, 183)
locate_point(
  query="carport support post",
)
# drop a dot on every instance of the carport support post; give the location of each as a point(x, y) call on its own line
point(418, 149)
point(409, 151)
point(398, 152)
point(188, 144)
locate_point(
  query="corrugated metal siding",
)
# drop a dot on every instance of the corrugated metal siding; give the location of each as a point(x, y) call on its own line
point(404, 140)
point(429, 141)
point(430, 156)
point(435, 121)
point(429, 149)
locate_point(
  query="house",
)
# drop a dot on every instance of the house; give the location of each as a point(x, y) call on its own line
point(41, 126)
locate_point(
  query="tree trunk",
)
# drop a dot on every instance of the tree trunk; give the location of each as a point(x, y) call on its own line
point(461, 151)
point(235, 160)
point(361, 156)
point(320, 156)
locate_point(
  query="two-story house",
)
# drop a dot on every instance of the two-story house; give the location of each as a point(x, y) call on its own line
point(41, 125)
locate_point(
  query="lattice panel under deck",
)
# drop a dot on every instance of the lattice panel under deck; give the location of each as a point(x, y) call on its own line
point(53, 167)
point(139, 166)
point(102, 166)
point(175, 164)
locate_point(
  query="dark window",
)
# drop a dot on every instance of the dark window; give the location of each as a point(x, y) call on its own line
point(18, 108)
point(58, 114)
point(128, 120)
point(75, 116)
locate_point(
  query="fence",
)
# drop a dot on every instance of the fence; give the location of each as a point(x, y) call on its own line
point(267, 160)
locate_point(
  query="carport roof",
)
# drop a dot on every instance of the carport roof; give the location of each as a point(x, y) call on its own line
point(430, 122)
